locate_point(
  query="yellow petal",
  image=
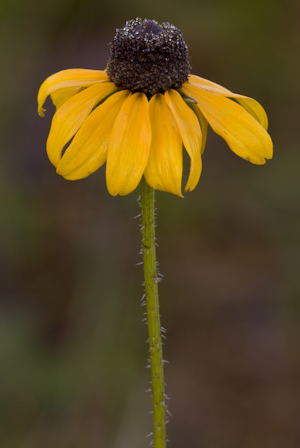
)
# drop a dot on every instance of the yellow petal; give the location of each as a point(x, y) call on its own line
point(207, 85)
point(244, 135)
point(68, 78)
point(164, 168)
point(59, 97)
point(88, 150)
point(129, 146)
point(203, 125)
point(251, 105)
point(190, 131)
point(253, 108)
point(71, 115)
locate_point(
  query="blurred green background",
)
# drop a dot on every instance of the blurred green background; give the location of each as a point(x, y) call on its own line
point(73, 349)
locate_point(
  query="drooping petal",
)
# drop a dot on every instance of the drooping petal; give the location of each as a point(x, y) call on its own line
point(244, 135)
point(190, 131)
point(129, 146)
point(203, 125)
point(164, 167)
point(251, 105)
point(253, 108)
point(68, 78)
point(205, 84)
point(59, 97)
point(70, 116)
point(88, 150)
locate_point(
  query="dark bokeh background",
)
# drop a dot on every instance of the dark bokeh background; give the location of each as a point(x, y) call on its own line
point(73, 350)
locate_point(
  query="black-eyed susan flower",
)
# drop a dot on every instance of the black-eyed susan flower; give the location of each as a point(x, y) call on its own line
point(140, 112)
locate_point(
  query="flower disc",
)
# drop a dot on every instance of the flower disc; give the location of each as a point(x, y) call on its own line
point(148, 57)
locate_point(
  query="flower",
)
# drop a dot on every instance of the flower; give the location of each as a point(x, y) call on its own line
point(139, 113)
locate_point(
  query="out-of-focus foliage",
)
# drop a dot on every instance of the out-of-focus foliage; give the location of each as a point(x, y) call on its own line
point(73, 348)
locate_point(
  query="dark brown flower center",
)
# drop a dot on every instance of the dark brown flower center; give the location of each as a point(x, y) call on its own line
point(148, 57)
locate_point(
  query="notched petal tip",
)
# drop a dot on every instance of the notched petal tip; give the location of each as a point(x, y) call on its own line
point(41, 111)
point(71, 177)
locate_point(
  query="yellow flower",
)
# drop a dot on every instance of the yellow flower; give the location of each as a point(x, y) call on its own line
point(139, 113)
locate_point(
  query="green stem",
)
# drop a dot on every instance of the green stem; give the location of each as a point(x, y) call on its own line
point(153, 316)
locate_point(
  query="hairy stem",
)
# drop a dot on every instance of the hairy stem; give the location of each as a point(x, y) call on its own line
point(153, 316)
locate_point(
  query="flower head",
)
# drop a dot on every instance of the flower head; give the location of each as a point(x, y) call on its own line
point(139, 113)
